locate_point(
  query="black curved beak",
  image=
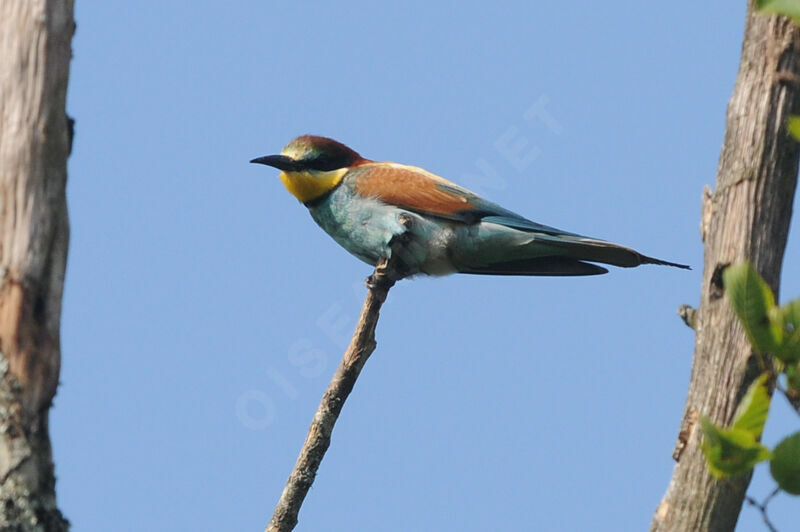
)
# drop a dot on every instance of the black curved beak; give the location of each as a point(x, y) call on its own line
point(281, 162)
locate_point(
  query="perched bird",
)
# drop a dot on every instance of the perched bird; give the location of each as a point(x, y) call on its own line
point(370, 207)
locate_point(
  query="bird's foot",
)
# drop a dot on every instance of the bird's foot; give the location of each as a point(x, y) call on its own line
point(384, 276)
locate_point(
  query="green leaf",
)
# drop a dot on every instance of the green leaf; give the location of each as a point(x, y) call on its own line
point(751, 414)
point(753, 302)
point(792, 378)
point(793, 124)
point(730, 451)
point(785, 464)
point(788, 318)
point(790, 8)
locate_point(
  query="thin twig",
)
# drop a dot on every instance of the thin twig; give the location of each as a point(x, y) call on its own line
point(762, 507)
point(319, 434)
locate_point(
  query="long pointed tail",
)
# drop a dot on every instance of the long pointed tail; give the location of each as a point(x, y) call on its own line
point(651, 260)
point(592, 250)
point(503, 250)
point(549, 266)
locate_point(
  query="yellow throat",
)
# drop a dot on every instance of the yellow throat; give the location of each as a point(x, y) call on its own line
point(311, 184)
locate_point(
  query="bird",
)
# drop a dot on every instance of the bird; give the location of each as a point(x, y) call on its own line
point(429, 225)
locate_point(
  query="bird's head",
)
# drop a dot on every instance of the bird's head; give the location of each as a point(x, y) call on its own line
point(312, 166)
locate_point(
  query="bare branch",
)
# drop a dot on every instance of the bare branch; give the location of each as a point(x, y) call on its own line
point(762, 507)
point(35, 53)
point(361, 347)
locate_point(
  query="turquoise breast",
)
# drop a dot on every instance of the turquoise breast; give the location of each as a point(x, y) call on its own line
point(363, 226)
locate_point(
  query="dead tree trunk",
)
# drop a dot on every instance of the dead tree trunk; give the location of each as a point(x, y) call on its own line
point(35, 52)
point(746, 218)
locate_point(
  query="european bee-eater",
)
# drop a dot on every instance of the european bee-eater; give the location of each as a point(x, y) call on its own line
point(366, 205)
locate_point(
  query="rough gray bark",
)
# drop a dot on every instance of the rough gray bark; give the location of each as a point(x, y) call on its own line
point(35, 52)
point(284, 518)
point(746, 218)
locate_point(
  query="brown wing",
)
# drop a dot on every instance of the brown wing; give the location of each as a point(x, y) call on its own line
point(414, 189)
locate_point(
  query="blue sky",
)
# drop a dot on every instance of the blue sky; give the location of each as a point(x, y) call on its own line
point(205, 312)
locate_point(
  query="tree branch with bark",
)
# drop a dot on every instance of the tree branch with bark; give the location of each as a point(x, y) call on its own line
point(362, 344)
point(35, 53)
point(746, 218)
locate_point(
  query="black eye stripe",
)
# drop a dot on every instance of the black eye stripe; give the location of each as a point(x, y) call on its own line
point(326, 163)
